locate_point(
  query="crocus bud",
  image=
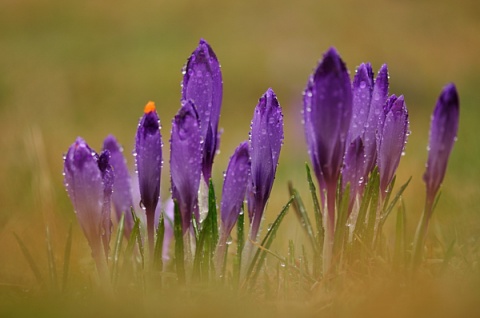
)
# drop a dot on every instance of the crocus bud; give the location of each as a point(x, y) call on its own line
point(148, 157)
point(443, 133)
point(186, 162)
point(266, 138)
point(234, 187)
point(122, 189)
point(202, 83)
point(379, 97)
point(89, 181)
point(391, 139)
point(362, 89)
point(327, 113)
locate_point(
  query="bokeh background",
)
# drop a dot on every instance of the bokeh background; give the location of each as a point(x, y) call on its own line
point(87, 68)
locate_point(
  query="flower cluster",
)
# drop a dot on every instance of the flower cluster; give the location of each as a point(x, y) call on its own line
point(355, 132)
point(351, 128)
point(92, 180)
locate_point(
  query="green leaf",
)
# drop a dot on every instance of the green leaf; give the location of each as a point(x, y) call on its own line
point(66, 258)
point(203, 261)
point(316, 208)
point(157, 255)
point(52, 269)
point(302, 216)
point(261, 253)
point(179, 250)
point(30, 260)
point(341, 225)
point(240, 244)
point(400, 249)
point(117, 248)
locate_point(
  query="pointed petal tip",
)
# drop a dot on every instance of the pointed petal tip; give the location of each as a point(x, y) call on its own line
point(449, 95)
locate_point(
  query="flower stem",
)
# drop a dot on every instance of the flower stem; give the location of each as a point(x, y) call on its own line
point(329, 228)
point(420, 235)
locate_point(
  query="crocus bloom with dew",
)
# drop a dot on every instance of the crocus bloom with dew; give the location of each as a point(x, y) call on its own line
point(148, 157)
point(379, 97)
point(186, 162)
point(266, 139)
point(443, 133)
point(391, 139)
point(122, 189)
point(202, 83)
point(327, 114)
point(233, 195)
point(89, 181)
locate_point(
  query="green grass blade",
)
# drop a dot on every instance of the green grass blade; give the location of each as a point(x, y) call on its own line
point(372, 218)
point(237, 263)
point(302, 216)
point(203, 261)
point(341, 225)
point(30, 260)
point(52, 268)
point(179, 249)
point(372, 186)
point(386, 212)
point(158, 251)
point(132, 240)
point(260, 254)
point(399, 252)
point(316, 207)
point(66, 258)
point(117, 248)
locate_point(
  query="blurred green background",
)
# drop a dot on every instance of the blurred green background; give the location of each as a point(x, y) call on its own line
point(87, 68)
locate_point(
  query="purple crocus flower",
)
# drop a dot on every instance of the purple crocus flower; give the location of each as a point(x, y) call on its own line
point(186, 162)
point(89, 181)
point(379, 97)
point(266, 138)
point(148, 156)
point(391, 139)
point(202, 83)
point(122, 189)
point(362, 89)
point(234, 188)
point(443, 133)
point(327, 115)
point(233, 195)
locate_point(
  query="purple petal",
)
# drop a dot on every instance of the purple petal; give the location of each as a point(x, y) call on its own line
point(328, 112)
point(443, 133)
point(266, 138)
point(122, 189)
point(186, 161)
point(379, 97)
point(354, 169)
point(391, 139)
point(108, 181)
point(148, 156)
point(202, 83)
point(362, 89)
point(234, 187)
point(85, 187)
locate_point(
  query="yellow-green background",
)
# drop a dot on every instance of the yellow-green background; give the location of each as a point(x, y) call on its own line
point(87, 68)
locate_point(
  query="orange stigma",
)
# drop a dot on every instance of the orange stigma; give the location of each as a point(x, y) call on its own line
point(150, 107)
